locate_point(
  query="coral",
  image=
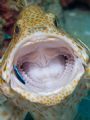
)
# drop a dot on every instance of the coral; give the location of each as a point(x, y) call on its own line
point(8, 16)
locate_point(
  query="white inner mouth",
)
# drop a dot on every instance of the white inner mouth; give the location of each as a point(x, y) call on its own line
point(46, 67)
point(44, 72)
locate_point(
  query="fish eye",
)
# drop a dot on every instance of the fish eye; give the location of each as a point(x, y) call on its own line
point(17, 29)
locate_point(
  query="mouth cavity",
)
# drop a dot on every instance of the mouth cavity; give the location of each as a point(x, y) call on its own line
point(45, 67)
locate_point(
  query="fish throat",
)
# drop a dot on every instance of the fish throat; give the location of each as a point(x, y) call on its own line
point(45, 67)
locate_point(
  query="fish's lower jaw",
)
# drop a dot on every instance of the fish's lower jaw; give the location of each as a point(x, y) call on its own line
point(47, 100)
point(45, 71)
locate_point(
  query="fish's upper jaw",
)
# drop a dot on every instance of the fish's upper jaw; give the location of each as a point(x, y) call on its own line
point(44, 68)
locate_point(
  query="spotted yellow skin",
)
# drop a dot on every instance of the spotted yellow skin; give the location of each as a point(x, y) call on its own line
point(31, 20)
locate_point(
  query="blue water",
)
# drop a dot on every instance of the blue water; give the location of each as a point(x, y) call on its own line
point(84, 109)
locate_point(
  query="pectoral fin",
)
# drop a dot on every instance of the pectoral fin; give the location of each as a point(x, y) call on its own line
point(87, 76)
point(1, 80)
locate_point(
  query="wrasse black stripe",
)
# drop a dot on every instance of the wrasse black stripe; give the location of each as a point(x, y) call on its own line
point(17, 73)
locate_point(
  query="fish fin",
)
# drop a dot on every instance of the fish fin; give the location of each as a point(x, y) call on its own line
point(1, 80)
point(83, 44)
point(0, 71)
point(2, 97)
point(87, 76)
point(0, 62)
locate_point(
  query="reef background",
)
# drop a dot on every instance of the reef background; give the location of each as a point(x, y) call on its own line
point(72, 15)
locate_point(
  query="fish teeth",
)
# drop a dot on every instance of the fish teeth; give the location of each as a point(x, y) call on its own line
point(34, 81)
point(29, 81)
point(68, 69)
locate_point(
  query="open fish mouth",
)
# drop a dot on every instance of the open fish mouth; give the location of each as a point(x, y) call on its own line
point(45, 66)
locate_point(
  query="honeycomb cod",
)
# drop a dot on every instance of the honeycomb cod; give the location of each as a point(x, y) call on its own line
point(44, 71)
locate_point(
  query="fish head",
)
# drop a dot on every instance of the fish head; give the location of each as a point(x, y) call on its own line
point(43, 63)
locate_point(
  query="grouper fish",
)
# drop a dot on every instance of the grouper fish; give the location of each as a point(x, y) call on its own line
point(44, 71)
